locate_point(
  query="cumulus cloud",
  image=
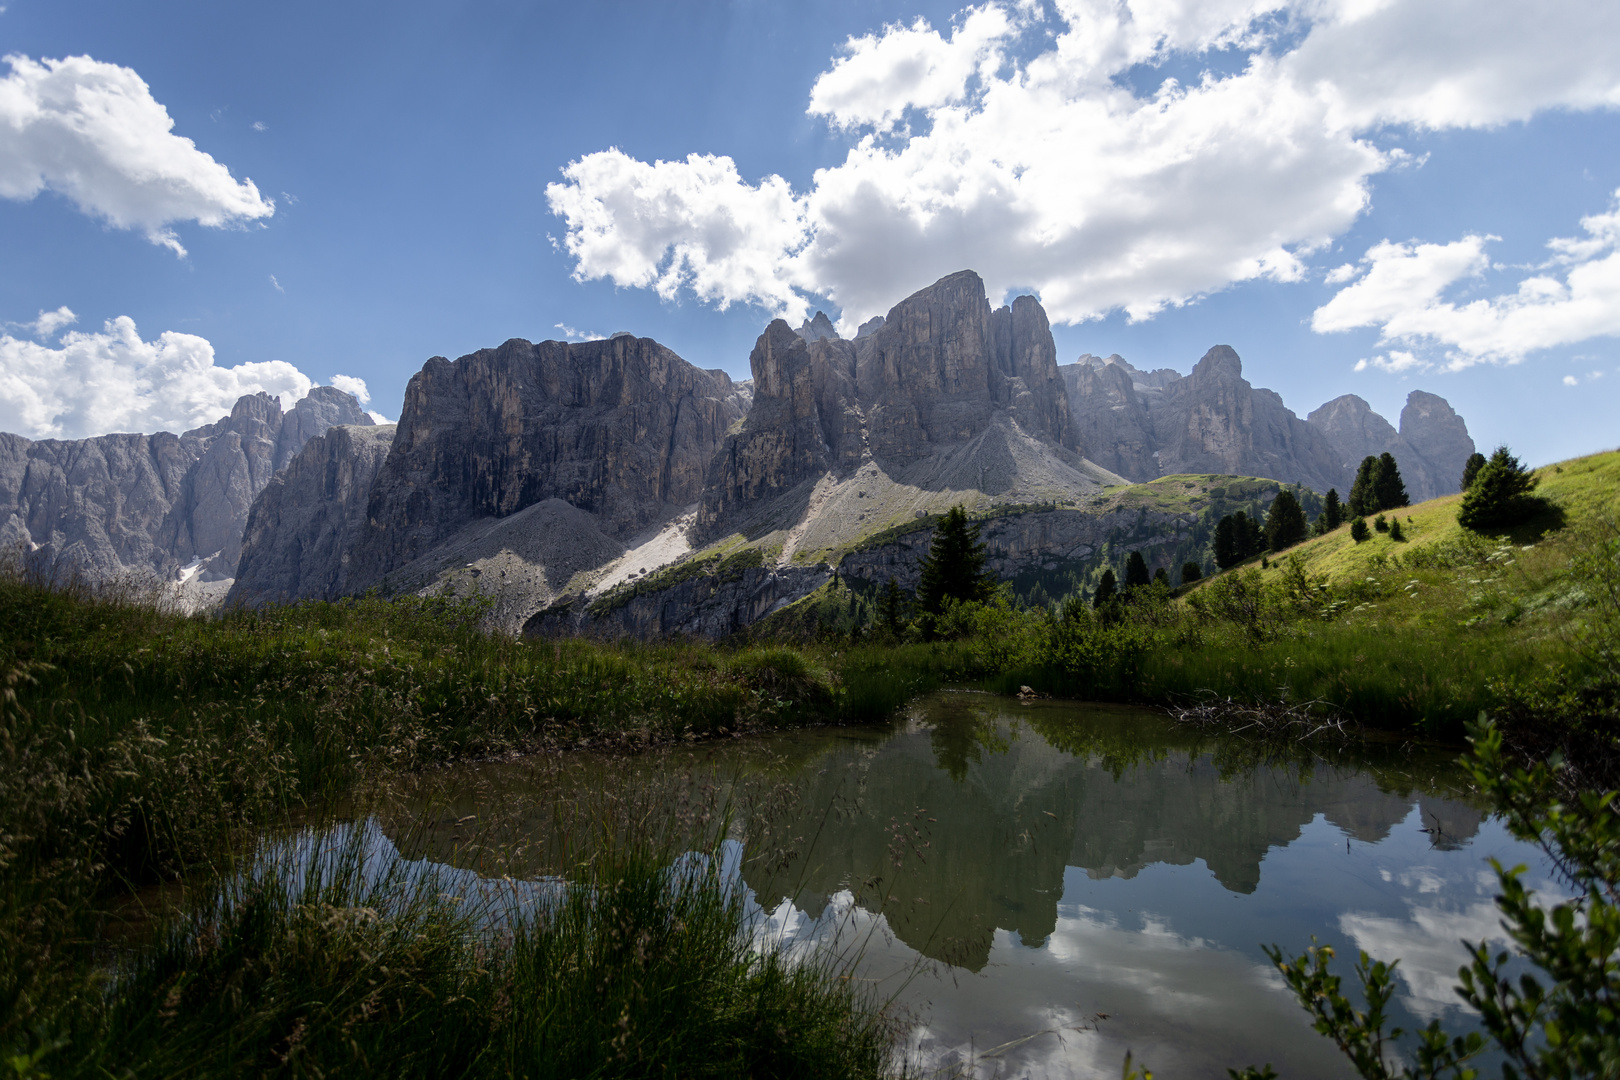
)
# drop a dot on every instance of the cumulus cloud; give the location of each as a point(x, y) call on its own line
point(674, 224)
point(92, 132)
point(1573, 297)
point(349, 384)
point(1065, 171)
point(112, 380)
point(908, 68)
point(49, 322)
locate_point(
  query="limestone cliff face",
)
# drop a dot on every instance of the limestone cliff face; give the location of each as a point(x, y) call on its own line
point(1434, 431)
point(1144, 425)
point(938, 372)
point(118, 504)
point(1214, 421)
point(1431, 446)
point(623, 429)
point(298, 532)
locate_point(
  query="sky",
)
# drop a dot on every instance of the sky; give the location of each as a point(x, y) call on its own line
point(199, 200)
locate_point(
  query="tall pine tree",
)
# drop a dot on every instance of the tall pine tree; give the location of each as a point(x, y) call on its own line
point(1106, 590)
point(1226, 543)
point(1285, 524)
point(1476, 462)
point(1363, 496)
point(954, 568)
point(1332, 515)
point(1387, 484)
point(1136, 572)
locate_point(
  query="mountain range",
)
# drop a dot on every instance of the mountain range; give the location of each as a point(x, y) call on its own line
point(612, 487)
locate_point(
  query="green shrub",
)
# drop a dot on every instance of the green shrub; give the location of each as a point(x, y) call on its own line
point(1500, 496)
point(1358, 529)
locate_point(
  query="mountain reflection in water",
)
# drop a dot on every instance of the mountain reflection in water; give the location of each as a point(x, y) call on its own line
point(1042, 885)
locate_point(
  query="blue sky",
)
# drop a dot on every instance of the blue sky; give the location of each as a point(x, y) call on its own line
point(408, 150)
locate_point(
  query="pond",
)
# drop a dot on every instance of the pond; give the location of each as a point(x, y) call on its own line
point(1042, 886)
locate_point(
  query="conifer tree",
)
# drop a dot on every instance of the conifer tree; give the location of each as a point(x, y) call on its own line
point(1106, 590)
point(1500, 495)
point(1388, 487)
point(1285, 524)
point(1332, 515)
point(1363, 497)
point(1359, 530)
point(1191, 572)
point(1161, 576)
point(1476, 462)
point(1254, 541)
point(1226, 543)
point(1136, 572)
point(955, 565)
point(891, 607)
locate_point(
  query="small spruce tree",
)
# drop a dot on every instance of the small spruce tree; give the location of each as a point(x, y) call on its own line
point(1363, 496)
point(1381, 523)
point(1476, 462)
point(1395, 530)
point(1359, 530)
point(1388, 486)
point(1226, 543)
point(1136, 572)
point(1500, 495)
point(1161, 576)
point(1285, 524)
point(1332, 515)
point(1191, 572)
point(1107, 590)
point(954, 568)
point(891, 607)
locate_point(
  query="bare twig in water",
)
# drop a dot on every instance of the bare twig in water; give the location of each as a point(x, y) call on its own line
point(1303, 720)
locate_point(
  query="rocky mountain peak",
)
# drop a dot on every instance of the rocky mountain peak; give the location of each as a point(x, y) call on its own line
point(817, 329)
point(1220, 362)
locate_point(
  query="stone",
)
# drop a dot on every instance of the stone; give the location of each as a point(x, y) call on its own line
point(116, 505)
point(296, 542)
point(623, 429)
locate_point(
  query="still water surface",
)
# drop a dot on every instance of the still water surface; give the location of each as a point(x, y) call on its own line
point(1042, 886)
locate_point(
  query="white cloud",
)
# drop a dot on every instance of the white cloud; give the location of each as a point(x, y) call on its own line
point(260, 125)
point(1055, 173)
point(276, 284)
point(350, 384)
point(378, 417)
point(93, 383)
point(93, 133)
point(1403, 295)
point(676, 224)
point(1570, 380)
point(49, 322)
point(908, 68)
point(1341, 274)
point(571, 334)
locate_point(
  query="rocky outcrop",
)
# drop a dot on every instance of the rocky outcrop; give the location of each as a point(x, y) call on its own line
point(943, 394)
point(116, 505)
point(623, 429)
point(298, 533)
point(1144, 424)
point(1431, 447)
point(705, 606)
point(817, 329)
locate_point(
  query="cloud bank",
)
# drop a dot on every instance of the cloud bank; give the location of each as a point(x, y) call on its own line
point(93, 133)
point(1071, 165)
point(91, 383)
point(1401, 291)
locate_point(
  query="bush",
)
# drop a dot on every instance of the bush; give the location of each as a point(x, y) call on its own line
point(1500, 496)
point(1191, 572)
point(1395, 530)
point(1359, 530)
point(1381, 523)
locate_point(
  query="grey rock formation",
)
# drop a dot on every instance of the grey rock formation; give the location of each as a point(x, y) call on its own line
point(296, 542)
point(869, 327)
point(1431, 446)
point(117, 505)
point(942, 372)
point(708, 607)
point(1145, 424)
point(623, 429)
point(817, 329)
